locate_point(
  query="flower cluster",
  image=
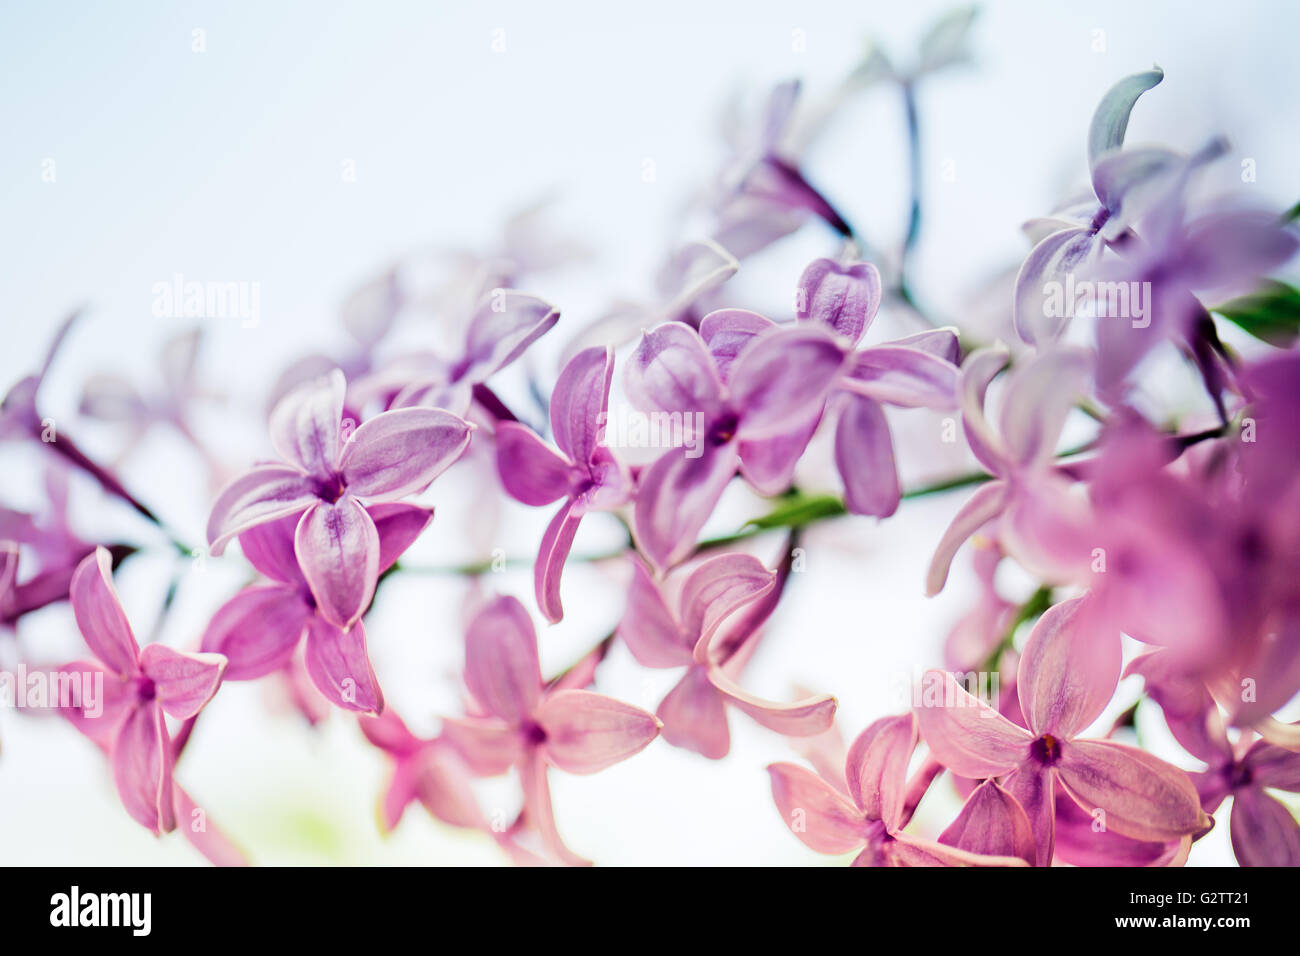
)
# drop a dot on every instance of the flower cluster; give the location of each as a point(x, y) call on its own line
point(1162, 546)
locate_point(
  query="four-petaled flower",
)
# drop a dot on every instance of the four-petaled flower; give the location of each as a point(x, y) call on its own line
point(531, 725)
point(866, 811)
point(331, 481)
point(583, 472)
point(1067, 676)
point(708, 620)
point(140, 686)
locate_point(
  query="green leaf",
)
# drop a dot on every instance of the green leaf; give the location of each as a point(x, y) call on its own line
point(798, 510)
point(1271, 314)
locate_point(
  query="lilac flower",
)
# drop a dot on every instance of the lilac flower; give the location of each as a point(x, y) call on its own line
point(332, 480)
point(1067, 676)
point(583, 471)
point(762, 185)
point(708, 621)
point(504, 323)
point(774, 385)
point(1039, 517)
point(913, 372)
point(865, 812)
point(140, 686)
point(259, 629)
point(1124, 183)
point(528, 724)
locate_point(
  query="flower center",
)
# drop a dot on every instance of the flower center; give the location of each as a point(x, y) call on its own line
point(145, 689)
point(331, 489)
point(534, 733)
point(1046, 750)
point(724, 429)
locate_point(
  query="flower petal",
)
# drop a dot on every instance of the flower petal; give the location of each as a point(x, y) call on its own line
point(257, 630)
point(269, 548)
point(1110, 121)
point(399, 453)
point(1040, 310)
point(184, 682)
point(965, 734)
point(338, 551)
point(261, 494)
point(398, 525)
point(694, 718)
point(540, 813)
point(99, 709)
point(554, 552)
point(488, 746)
point(340, 667)
point(716, 589)
point(864, 455)
point(580, 402)
point(841, 297)
point(531, 471)
point(305, 424)
point(977, 372)
point(1264, 833)
point(781, 381)
point(1144, 797)
point(768, 464)
point(99, 614)
point(587, 732)
point(503, 326)
point(1068, 669)
point(142, 768)
point(676, 496)
point(904, 376)
point(1034, 787)
point(992, 823)
point(818, 814)
point(908, 850)
point(648, 627)
point(501, 668)
point(727, 331)
point(801, 718)
point(672, 371)
point(1037, 401)
point(876, 768)
point(983, 506)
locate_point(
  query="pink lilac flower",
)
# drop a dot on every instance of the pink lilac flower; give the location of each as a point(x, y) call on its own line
point(708, 620)
point(775, 384)
point(332, 480)
point(917, 371)
point(527, 724)
point(1066, 678)
point(1033, 501)
point(1263, 831)
point(140, 686)
point(865, 811)
point(259, 629)
point(583, 471)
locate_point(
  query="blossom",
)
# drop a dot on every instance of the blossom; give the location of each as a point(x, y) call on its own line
point(917, 371)
point(1124, 185)
point(332, 480)
point(502, 325)
point(140, 686)
point(775, 384)
point(259, 628)
point(708, 620)
point(527, 724)
point(1066, 678)
point(866, 811)
point(583, 471)
point(1039, 520)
